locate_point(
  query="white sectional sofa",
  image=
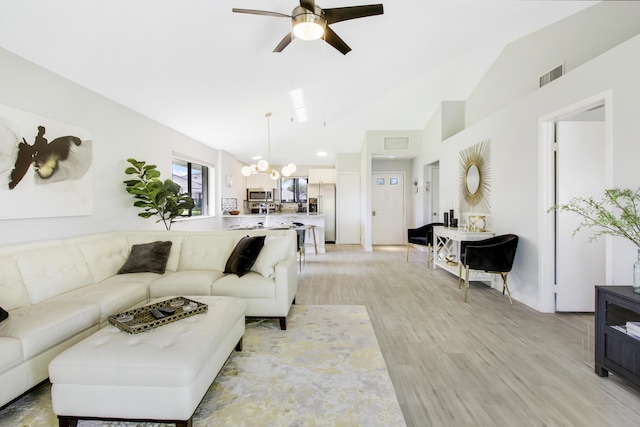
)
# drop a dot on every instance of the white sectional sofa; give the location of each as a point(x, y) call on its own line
point(61, 291)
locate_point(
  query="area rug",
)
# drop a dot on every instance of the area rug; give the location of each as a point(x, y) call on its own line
point(326, 369)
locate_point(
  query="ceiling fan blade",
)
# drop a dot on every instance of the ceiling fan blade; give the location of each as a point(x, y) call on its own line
point(334, 40)
point(338, 14)
point(260, 12)
point(310, 5)
point(284, 43)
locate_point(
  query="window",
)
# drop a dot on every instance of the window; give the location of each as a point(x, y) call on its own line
point(293, 190)
point(194, 180)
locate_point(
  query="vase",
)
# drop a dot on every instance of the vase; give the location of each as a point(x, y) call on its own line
point(636, 275)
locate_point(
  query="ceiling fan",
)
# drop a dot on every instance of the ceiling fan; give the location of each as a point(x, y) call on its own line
point(311, 22)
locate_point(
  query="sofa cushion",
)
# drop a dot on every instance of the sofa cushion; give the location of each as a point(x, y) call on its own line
point(187, 282)
point(145, 278)
point(244, 255)
point(275, 250)
point(148, 257)
point(12, 291)
point(52, 271)
point(112, 298)
point(105, 255)
point(10, 353)
point(205, 251)
point(42, 326)
point(251, 285)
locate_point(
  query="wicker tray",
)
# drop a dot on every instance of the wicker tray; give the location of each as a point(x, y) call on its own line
point(143, 320)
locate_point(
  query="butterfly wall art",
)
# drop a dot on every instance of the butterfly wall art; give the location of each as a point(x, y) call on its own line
point(45, 167)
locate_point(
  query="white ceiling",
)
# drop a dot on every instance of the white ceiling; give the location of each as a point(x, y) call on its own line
point(196, 67)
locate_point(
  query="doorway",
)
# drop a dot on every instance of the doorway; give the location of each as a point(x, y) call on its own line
point(387, 202)
point(431, 208)
point(577, 146)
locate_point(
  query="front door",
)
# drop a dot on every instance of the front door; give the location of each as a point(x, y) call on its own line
point(387, 202)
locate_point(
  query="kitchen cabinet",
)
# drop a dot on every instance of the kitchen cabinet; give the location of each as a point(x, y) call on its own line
point(322, 176)
point(262, 180)
point(616, 350)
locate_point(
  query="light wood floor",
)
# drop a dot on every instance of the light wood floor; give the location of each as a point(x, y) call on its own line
point(485, 363)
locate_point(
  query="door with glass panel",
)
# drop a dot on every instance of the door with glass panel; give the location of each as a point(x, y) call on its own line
point(388, 225)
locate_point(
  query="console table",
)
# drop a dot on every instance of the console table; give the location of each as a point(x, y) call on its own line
point(446, 243)
point(615, 349)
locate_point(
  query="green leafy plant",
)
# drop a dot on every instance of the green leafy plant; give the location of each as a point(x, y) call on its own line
point(617, 214)
point(154, 196)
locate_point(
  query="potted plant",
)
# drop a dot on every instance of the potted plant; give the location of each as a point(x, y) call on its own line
point(617, 214)
point(154, 196)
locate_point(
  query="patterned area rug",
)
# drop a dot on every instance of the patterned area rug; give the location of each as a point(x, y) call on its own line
point(326, 369)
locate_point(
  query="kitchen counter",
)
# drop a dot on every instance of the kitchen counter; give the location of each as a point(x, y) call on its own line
point(275, 219)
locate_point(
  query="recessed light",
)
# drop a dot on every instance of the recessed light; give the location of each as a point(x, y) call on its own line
point(256, 157)
point(321, 153)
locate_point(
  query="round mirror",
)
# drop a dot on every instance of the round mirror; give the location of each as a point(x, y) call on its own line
point(472, 179)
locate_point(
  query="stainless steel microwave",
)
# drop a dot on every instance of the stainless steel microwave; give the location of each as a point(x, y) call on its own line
point(259, 195)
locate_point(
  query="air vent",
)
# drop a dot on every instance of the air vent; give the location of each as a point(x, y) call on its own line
point(552, 75)
point(401, 143)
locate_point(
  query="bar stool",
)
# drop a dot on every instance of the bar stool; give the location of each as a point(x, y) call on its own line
point(312, 231)
point(301, 231)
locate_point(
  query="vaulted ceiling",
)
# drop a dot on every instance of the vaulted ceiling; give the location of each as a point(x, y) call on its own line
point(196, 67)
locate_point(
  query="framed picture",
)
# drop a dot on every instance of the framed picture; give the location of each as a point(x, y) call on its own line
point(45, 167)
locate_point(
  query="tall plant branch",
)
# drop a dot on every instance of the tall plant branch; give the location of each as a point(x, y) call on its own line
point(617, 214)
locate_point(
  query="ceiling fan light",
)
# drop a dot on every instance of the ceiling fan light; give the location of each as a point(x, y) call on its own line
point(246, 171)
point(308, 26)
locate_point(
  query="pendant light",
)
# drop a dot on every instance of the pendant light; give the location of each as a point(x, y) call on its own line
point(264, 166)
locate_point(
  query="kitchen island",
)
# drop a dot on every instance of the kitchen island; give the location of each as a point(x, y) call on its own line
point(274, 220)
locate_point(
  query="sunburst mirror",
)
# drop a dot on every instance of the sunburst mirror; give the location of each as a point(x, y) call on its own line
point(474, 187)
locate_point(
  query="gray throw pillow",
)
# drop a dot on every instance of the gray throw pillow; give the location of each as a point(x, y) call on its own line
point(244, 255)
point(147, 257)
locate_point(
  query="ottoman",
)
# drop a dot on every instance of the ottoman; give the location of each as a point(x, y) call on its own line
point(160, 375)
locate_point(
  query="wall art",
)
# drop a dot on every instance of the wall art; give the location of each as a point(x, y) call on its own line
point(45, 167)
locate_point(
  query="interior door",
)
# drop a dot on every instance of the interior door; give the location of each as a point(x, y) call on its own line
point(387, 201)
point(580, 264)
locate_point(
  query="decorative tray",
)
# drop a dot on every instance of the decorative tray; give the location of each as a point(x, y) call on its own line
point(140, 319)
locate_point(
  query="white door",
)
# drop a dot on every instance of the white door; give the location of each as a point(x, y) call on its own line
point(580, 264)
point(348, 209)
point(387, 202)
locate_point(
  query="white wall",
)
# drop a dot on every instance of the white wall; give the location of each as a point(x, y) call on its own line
point(118, 133)
point(516, 160)
point(570, 42)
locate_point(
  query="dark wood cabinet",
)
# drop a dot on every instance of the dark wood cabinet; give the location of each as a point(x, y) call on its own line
point(616, 350)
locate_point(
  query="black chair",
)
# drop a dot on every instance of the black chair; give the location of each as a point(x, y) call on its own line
point(422, 236)
point(493, 255)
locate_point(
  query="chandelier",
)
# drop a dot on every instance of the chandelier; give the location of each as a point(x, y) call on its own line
point(264, 166)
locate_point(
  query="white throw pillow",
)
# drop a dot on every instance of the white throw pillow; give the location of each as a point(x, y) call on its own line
point(274, 251)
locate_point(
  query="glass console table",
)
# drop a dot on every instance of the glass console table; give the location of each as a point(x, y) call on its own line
point(446, 245)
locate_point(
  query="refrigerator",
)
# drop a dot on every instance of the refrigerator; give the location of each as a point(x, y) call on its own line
point(326, 202)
